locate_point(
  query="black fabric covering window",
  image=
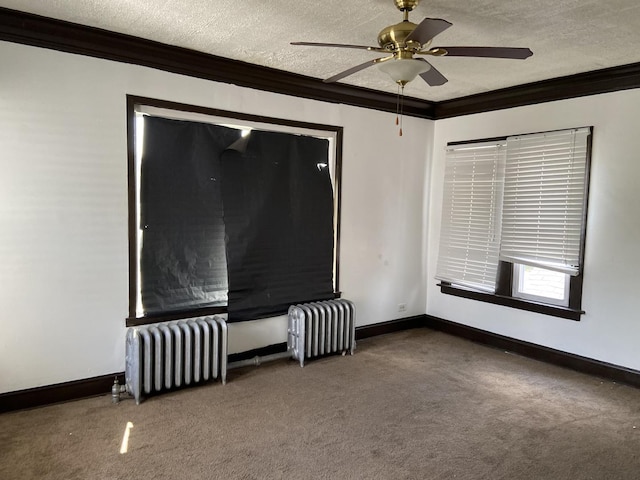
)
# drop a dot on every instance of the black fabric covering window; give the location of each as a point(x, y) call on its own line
point(229, 220)
point(278, 213)
point(183, 261)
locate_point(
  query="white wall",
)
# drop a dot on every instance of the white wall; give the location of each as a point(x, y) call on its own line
point(63, 209)
point(63, 214)
point(610, 329)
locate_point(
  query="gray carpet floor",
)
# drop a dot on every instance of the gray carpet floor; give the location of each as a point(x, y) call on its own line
point(417, 404)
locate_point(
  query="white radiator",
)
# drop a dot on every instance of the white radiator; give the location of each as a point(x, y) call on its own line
point(321, 328)
point(175, 354)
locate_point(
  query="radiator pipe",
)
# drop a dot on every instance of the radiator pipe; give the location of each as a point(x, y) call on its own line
point(257, 360)
point(117, 389)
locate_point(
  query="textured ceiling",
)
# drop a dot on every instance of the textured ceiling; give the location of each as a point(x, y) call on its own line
point(566, 36)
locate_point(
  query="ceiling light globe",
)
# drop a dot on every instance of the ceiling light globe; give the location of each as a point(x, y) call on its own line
point(402, 71)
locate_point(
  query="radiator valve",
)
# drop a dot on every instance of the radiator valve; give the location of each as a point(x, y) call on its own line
point(116, 390)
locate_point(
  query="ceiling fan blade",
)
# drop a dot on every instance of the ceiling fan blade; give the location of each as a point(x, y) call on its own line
point(339, 45)
point(489, 52)
point(355, 69)
point(427, 29)
point(432, 76)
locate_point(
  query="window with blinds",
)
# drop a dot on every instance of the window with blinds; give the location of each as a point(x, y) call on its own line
point(471, 211)
point(513, 202)
point(229, 214)
point(544, 200)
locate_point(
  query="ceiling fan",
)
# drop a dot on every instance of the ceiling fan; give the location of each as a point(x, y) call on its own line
point(406, 40)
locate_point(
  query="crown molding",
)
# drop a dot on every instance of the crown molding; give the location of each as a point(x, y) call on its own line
point(606, 80)
point(38, 31)
point(35, 30)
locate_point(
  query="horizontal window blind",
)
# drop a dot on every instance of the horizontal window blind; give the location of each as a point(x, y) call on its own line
point(543, 208)
point(231, 217)
point(470, 232)
point(278, 216)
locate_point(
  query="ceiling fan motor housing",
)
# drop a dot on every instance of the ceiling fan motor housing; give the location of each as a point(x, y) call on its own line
point(393, 37)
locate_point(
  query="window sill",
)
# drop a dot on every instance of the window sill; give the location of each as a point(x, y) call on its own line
point(199, 312)
point(537, 307)
point(177, 315)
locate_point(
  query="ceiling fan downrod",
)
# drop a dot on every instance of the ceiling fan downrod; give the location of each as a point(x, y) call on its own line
point(393, 38)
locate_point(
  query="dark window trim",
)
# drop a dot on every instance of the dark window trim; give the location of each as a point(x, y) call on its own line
point(504, 281)
point(480, 140)
point(498, 299)
point(503, 138)
point(132, 102)
point(504, 287)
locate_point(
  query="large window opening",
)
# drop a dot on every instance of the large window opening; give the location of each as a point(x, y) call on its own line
point(514, 221)
point(229, 213)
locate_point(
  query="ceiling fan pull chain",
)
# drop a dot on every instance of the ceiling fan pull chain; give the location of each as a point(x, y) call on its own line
point(401, 108)
point(398, 106)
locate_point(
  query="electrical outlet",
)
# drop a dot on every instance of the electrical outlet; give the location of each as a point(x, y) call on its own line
point(402, 307)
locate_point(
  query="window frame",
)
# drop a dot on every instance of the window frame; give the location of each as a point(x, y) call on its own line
point(504, 282)
point(134, 103)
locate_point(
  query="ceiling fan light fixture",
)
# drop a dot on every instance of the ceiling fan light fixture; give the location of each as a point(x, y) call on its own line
point(403, 70)
point(403, 40)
